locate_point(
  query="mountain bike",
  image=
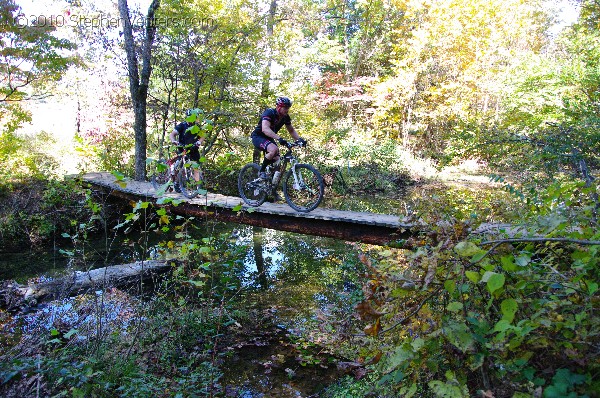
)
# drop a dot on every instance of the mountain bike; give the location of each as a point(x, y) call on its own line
point(177, 173)
point(303, 186)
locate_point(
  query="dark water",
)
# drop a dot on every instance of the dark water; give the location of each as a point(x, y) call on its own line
point(290, 277)
point(295, 281)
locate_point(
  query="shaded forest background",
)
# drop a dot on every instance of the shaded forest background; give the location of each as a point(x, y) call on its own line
point(442, 81)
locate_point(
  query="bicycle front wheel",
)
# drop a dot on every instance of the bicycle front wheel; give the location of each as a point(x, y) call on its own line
point(160, 176)
point(188, 184)
point(252, 190)
point(303, 187)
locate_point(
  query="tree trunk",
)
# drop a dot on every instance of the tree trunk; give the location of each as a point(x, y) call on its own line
point(257, 239)
point(14, 296)
point(265, 89)
point(138, 82)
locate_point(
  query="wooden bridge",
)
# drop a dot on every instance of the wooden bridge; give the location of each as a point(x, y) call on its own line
point(379, 229)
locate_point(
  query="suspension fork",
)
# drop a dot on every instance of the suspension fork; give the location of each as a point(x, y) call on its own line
point(297, 178)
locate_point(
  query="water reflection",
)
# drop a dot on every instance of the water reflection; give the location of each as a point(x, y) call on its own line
point(296, 279)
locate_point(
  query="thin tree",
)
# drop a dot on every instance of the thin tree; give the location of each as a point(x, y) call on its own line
point(139, 79)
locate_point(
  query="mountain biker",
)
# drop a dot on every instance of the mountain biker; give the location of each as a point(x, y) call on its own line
point(266, 132)
point(185, 138)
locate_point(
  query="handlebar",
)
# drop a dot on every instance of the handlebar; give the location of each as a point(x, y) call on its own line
point(291, 145)
point(196, 144)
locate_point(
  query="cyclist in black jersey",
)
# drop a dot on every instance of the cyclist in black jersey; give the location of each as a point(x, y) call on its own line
point(266, 132)
point(183, 137)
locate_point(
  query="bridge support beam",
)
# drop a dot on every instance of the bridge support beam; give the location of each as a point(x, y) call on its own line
point(371, 234)
point(343, 230)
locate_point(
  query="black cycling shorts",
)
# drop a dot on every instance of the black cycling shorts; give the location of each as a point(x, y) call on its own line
point(193, 153)
point(261, 142)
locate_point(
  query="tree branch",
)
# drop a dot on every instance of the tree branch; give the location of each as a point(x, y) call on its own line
point(561, 240)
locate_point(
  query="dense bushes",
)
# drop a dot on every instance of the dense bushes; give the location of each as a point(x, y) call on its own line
point(34, 212)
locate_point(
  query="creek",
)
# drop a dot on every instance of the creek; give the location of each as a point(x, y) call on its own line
point(303, 288)
point(288, 277)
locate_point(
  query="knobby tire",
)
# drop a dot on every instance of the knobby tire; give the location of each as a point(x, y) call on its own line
point(189, 186)
point(253, 193)
point(309, 191)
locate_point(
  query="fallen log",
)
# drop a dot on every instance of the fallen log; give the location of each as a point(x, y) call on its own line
point(15, 296)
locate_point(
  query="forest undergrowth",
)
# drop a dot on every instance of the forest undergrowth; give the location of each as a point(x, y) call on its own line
point(452, 313)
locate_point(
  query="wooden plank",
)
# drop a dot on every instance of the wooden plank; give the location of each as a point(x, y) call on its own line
point(379, 229)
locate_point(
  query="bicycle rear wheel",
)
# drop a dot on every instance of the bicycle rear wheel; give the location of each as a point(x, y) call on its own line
point(252, 190)
point(160, 176)
point(188, 184)
point(303, 187)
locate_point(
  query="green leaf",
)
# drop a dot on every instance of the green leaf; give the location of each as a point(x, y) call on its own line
point(401, 355)
point(592, 288)
point(450, 286)
point(478, 256)
point(70, 333)
point(509, 308)
point(118, 176)
point(237, 208)
point(460, 336)
point(495, 282)
point(417, 344)
point(467, 249)
point(508, 264)
point(523, 260)
point(447, 390)
point(502, 326)
point(455, 306)
point(487, 276)
point(473, 276)
point(163, 200)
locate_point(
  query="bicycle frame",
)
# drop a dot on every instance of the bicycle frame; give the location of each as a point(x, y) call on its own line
point(288, 159)
point(301, 194)
point(179, 161)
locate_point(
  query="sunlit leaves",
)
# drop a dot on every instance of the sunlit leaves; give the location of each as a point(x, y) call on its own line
point(451, 388)
point(466, 249)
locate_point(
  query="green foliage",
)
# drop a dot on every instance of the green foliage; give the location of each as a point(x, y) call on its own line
point(33, 211)
point(30, 58)
point(113, 370)
point(519, 311)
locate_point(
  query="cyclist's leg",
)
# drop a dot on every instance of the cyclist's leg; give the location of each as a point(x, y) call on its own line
point(270, 149)
point(174, 165)
point(195, 157)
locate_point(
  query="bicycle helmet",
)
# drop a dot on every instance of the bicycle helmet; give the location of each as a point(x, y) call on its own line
point(189, 112)
point(283, 101)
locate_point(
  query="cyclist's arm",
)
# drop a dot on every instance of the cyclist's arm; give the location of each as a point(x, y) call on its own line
point(292, 132)
point(266, 129)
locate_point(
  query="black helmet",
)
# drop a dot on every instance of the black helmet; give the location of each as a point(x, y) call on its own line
point(283, 101)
